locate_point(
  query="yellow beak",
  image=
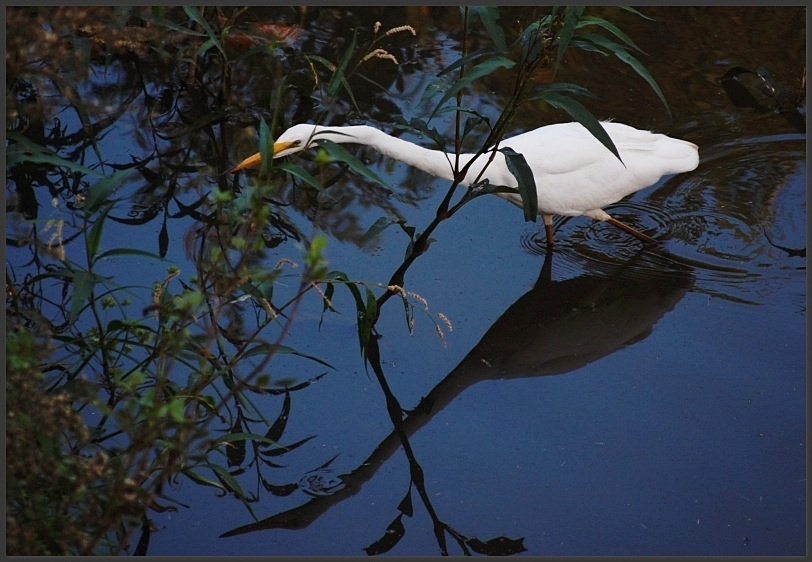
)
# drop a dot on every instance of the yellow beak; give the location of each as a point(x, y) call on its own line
point(257, 158)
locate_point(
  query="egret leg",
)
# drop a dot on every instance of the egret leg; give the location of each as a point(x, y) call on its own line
point(601, 215)
point(548, 227)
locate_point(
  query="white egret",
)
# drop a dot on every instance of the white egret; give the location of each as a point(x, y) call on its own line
point(574, 173)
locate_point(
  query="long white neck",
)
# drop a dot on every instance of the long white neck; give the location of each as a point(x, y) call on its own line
point(434, 162)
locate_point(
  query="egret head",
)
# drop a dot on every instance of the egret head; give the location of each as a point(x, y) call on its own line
point(297, 138)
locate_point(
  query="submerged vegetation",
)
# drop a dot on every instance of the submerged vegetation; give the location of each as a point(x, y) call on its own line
point(127, 370)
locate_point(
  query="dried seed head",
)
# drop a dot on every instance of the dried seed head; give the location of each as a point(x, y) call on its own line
point(419, 299)
point(440, 333)
point(446, 321)
point(380, 54)
point(408, 28)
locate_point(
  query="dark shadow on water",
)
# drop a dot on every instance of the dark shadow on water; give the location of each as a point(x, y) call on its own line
point(555, 328)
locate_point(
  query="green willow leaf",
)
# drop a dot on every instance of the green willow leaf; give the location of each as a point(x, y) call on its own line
point(95, 233)
point(583, 116)
point(227, 480)
point(22, 150)
point(477, 72)
point(206, 46)
point(561, 87)
point(489, 15)
point(635, 12)
point(195, 477)
point(469, 58)
point(517, 165)
point(338, 75)
point(337, 152)
point(198, 18)
point(644, 73)
point(379, 226)
point(299, 172)
point(611, 28)
point(264, 348)
point(598, 42)
point(99, 192)
point(531, 39)
point(367, 315)
point(83, 283)
point(265, 147)
point(423, 127)
point(571, 18)
point(587, 46)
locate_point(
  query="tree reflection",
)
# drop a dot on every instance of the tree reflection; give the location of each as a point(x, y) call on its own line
point(556, 328)
point(127, 118)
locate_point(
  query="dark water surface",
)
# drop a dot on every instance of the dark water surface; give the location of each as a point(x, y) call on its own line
point(622, 402)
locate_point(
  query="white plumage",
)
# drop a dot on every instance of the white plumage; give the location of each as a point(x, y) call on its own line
point(574, 173)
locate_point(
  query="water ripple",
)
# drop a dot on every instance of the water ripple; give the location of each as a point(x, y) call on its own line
point(737, 222)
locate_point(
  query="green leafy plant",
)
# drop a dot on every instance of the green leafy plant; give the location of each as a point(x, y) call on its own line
point(176, 386)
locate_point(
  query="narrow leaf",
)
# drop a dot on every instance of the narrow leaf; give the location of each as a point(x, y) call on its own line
point(601, 43)
point(477, 72)
point(644, 73)
point(95, 232)
point(587, 46)
point(235, 450)
point(573, 14)
point(531, 39)
point(517, 165)
point(633, 11)
point(338, 152)
point(379, 226)
point(561, 87)
point(99, 192)
point(265, 147)
point(299, 172)
point(195, 14)
point(195, 477)
point(581, 114)
point(227, 480)
point(430, 132)
point(22, 150)
point(264, 348)
point(206, 46)
point(83, 283)
point(611, 28)
point(338, 75)
point(469, 58)
point(489, 15)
